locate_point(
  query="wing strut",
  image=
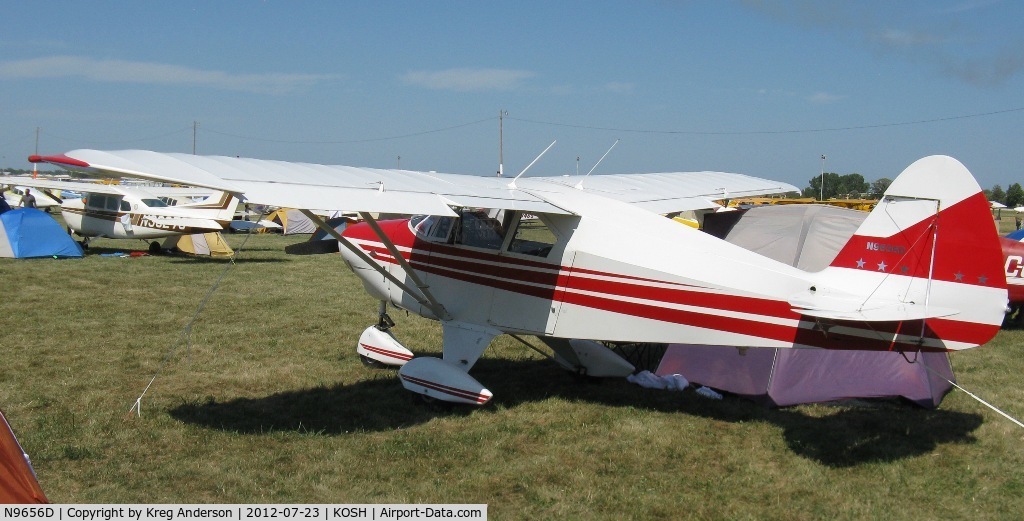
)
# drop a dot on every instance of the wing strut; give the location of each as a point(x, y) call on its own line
point(432, 303)
point(423, 296)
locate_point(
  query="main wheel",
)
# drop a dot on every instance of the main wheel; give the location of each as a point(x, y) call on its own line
point(369, 362)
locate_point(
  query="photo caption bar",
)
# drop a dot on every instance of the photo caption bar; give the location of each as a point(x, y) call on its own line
point(360, 512)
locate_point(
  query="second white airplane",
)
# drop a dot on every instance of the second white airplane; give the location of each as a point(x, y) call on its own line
point(120, 212)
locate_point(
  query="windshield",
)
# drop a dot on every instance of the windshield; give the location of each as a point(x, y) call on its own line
point(432, 228)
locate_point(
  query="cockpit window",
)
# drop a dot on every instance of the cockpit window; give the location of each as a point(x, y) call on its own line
point(96, 201)
point(479, 230)
point(432, 228)
point(532, 237)
point(154, 203)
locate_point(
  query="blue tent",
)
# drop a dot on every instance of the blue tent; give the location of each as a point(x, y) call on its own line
point(1017, 235)
point(27, 233)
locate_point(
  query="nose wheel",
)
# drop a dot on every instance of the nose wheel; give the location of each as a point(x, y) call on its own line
point(378, 348)
point(370, 362)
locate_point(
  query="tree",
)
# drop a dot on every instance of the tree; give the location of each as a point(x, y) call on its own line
point(1014, 196)
point(997, 195)
point(836, 186)
point(851, 186)
point(879, 187)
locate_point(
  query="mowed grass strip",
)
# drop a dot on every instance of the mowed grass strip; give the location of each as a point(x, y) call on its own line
point(269, 403)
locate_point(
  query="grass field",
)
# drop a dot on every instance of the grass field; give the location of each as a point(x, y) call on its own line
point(270, 403)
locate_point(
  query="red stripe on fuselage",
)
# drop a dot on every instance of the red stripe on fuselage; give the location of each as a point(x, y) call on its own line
point(611, 292)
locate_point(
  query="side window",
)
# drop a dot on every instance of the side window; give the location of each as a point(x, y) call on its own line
point(96, 201)
point(532, 237)
point(479, 230)
point(113, 203)
point(125, 206)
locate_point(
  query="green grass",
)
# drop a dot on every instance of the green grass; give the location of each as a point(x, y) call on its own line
point(270, 403)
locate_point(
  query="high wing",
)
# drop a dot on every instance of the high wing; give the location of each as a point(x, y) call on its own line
point(670, 191)
point(306, 185)
point(51, 184)
point(141, 192)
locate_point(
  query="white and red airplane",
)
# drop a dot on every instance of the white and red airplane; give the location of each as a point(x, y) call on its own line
point(136, 212)
point(574, 260)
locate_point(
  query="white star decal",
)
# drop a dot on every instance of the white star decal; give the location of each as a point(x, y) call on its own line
point(860, 263)
point(982, 280)
point(881, 266)
point(959, 276)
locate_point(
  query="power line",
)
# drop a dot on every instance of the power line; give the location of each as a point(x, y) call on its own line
point(341, 142)
point(766, 132)
point(107, 142)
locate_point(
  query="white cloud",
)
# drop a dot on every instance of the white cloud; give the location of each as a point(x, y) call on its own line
point(122, 71)
point(822, 98)
point(467, 80)
point(619, 87)
point(897, 38)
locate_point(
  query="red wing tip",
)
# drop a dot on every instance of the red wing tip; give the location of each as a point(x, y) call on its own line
point(57, 160)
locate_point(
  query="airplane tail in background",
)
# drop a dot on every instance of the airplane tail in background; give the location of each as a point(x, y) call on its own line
point(928, 253)
point(220, 206)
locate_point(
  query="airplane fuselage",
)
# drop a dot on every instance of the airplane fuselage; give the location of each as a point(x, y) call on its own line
point(129, 220)
point(1013, 253)
point(624, 274)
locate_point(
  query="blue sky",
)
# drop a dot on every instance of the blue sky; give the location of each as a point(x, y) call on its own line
point(762, 88)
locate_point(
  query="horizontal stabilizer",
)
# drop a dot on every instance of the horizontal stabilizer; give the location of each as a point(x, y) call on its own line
point(847, 307)
point(885, 314)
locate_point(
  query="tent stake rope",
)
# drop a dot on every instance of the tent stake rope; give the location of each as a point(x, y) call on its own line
point(186, 332)
point(972, 395)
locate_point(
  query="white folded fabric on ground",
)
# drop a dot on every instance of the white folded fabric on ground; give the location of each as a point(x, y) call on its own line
point(673, 382)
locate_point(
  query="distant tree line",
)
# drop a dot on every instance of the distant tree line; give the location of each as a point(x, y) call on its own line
point(853, 186)
point(846, 186)
point(1012, 197)
point(22, 171)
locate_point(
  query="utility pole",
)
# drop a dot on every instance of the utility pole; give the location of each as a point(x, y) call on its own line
point(822, 197)
point(35, 166)
point(195, 126)
point(501, 142)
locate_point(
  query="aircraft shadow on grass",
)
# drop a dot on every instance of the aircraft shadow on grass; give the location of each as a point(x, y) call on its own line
point(181, 258)
point(850, 436)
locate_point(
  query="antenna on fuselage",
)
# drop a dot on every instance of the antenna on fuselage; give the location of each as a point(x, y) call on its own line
point(513, 183)
point(579, 185)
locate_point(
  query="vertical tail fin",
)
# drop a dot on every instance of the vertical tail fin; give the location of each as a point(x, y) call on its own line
point(929, 252)
point(220, 206)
